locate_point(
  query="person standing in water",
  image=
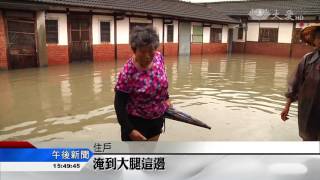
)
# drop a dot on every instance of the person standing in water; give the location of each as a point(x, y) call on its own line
point(141, 91)
point(304, 87)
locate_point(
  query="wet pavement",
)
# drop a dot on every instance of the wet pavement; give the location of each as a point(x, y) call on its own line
point(239, 96)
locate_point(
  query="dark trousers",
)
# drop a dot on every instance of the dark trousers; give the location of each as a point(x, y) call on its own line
point(147, 127)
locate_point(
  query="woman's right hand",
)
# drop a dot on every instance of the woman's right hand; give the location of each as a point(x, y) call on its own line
point(137, 136)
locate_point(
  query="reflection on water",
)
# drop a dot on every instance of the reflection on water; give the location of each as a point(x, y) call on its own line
point(240, 96)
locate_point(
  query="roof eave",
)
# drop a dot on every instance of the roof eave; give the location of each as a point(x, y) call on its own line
point(23, 5)
point(231, 21)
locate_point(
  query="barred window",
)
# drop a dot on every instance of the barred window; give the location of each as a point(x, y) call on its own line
point(240, 33)
point(52, 31)
point(197, 34)
point(215, 35)
point(268, 35)
point(105, 31)
point(169, 33)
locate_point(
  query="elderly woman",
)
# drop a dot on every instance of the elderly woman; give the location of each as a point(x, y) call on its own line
point(141, 91)
point(305, 88)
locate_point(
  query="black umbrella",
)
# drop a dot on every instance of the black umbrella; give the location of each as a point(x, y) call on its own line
point(174, 114)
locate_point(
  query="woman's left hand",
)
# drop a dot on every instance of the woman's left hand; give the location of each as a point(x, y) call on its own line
point(168, 103)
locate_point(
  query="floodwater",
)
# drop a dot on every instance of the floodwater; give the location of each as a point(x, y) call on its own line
point(239, 96)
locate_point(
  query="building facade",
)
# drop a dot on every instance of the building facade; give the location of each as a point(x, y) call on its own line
point(270, 27)
point(36, 33)
point(50, 32)
point(271, 38)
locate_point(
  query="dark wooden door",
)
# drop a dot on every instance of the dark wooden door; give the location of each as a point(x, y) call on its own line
point(80, 43)
point(21, 39)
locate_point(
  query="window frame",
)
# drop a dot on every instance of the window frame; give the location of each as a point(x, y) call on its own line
point(240, 35)
point(200, 35)
point(52, 31)
point(212, 38)
point(172, 37)
point(109, 33)
point(271, 39)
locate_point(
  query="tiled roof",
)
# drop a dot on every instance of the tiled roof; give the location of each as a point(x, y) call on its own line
point(161, 7)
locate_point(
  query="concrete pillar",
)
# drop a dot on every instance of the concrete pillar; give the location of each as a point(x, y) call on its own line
point(41, 39)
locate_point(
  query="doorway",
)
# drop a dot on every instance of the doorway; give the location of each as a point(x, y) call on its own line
point(80, 38)
point(21, 39)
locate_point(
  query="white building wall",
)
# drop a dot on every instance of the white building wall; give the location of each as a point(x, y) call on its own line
point(123, 31)
point(175, 32)
point(62, 26)
point(253, 32)
point(224, 34)
point(157, 24)
point(96, 35)
point(206, 35)
point(285, 32)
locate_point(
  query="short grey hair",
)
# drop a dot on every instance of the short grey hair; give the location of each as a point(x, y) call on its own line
point(143, 37)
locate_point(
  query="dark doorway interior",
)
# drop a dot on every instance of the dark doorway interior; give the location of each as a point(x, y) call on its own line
point(21, 39)
point(80, 39)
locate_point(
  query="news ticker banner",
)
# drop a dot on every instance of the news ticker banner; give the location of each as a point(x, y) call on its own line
point(44, 159)
point(117, 156)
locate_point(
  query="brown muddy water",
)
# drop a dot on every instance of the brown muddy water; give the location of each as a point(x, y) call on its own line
point(240, 96)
